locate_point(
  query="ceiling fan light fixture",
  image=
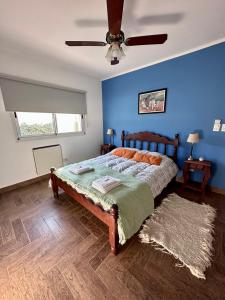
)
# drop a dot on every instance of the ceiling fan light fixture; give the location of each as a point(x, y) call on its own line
point(115, 36)
point(115, 53)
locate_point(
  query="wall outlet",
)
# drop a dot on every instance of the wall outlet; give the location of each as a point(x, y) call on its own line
point(65, 160)
point(223, 128)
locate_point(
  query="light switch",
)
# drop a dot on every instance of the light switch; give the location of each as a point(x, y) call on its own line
point(216, 127)
point(223, 127)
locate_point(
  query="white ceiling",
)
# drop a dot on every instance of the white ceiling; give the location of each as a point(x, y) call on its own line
point(38, 29)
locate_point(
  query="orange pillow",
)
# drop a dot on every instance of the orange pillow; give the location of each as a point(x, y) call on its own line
point(129, 153)
point(147, 158)
point(126, 153)
point(138, 156)
point(155, 160)
point(118, 152)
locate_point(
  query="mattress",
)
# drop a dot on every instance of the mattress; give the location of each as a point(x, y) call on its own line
point(157, 177)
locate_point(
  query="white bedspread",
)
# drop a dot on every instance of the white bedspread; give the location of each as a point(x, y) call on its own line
point(157, 177)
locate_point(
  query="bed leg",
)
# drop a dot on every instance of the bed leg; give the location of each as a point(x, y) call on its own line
point(55, 187)
point(113, 231)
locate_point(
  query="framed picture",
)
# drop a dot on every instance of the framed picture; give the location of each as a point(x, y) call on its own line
point(152, 102)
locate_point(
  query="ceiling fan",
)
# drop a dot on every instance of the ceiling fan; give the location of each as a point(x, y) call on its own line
point(115, 37)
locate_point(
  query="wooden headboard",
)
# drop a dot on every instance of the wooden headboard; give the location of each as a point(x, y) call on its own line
point(153, 142)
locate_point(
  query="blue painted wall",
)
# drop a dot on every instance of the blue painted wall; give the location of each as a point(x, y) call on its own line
point(195, 98)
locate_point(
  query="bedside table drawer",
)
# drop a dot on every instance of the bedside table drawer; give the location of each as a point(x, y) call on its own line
point(196, 167)
point(200, 167)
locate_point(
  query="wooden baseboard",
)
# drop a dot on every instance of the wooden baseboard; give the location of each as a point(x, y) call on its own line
point(24, 183)
point(211, 188)
point(217, 190)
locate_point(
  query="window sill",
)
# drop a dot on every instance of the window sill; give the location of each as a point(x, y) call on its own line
point(42, 137)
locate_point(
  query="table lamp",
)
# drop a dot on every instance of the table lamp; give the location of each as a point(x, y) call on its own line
point(193, 138)
point(110, 132)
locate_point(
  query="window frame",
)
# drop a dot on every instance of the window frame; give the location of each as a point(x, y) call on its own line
point(55, 129)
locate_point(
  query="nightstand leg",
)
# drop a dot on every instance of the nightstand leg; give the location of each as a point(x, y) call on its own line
point(204, 184)
point(186, 176)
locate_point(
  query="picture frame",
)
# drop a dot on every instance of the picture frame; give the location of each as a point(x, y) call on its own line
point(151, 102)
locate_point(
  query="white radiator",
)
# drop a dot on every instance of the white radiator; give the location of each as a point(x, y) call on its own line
point(47, 157)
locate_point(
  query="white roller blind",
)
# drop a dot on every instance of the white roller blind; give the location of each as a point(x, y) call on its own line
point(33, 97)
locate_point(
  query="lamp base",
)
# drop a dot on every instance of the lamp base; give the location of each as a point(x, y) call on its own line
point(191, 157)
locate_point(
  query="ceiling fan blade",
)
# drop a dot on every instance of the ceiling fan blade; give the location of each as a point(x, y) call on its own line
point(115, 14)
point(84, 43)
point(146, 40)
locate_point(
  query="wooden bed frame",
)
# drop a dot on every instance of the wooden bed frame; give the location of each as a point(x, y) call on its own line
point(110, 217)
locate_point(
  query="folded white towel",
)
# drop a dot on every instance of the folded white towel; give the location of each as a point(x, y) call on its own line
point(104, 191)
point(106, 181)
point(80, 169)
point(106, 184)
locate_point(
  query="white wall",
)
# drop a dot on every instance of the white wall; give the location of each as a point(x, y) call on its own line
point(16, 158)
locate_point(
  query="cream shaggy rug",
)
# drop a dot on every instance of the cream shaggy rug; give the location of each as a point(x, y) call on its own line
point(184, 229)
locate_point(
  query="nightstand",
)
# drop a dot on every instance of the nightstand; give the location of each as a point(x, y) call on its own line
point(106, 148)
point(195, 165)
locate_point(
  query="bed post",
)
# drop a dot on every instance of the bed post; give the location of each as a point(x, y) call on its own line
point(176, 143)
point(113, 231)
point(55, 187)
point(122, 137)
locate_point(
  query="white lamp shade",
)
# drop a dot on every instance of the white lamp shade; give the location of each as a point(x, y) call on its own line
point(193, 138)
point(115, 51)
point(110, 131)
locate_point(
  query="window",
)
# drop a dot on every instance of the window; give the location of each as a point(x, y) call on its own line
point(68, 123)
point(31, 124)
point(34, 124)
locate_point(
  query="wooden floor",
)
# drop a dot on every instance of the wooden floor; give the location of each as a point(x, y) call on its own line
point(55, 249)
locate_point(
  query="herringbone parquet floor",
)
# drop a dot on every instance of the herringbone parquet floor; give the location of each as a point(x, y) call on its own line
point(55, 249)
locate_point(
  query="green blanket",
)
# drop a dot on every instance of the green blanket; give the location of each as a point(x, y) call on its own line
point(133, 197)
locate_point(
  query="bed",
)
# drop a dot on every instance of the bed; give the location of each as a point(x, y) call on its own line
point(155, 177)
